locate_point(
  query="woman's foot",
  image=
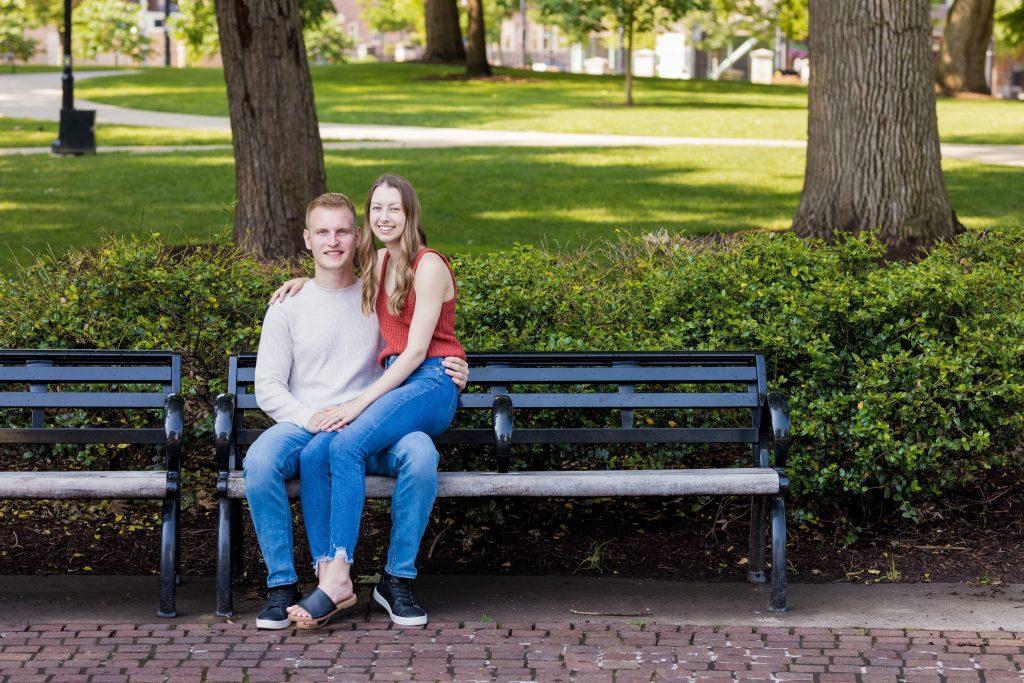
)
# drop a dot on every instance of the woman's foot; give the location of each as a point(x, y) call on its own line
point(337, 592)
point(321, 609)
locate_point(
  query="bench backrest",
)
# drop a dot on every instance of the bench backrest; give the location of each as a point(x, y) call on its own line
point(46, 382)
point(609, 384)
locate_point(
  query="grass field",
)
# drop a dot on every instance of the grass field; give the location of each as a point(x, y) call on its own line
point(424, 95)
point(33, 133)
point(475, 199)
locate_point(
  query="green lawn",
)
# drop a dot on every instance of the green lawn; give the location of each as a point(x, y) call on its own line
point(33, 133)
point(416, 94)
point(475, 199)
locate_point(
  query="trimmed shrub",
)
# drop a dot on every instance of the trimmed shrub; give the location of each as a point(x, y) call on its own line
point(905, 379)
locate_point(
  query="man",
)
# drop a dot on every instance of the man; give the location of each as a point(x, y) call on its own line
point(318, 350)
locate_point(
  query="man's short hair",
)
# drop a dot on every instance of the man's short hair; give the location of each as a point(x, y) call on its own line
point(330, 200)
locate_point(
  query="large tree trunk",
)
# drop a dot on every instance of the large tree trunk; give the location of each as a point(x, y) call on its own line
point(872, 136)
point(279, 161)
point(476, 54)
point(965, 40)
point(444, 37)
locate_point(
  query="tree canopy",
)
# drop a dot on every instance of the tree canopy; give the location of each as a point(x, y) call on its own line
point(13, 22)
point(109, 26)
point(579, 18)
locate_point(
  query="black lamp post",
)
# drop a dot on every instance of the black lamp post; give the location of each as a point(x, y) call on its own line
point(77, 127)
point(167, 32)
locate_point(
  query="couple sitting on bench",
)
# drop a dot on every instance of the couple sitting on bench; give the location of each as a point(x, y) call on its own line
point(358, 374)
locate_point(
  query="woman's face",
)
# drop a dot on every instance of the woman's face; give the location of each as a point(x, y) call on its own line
point(387, 217)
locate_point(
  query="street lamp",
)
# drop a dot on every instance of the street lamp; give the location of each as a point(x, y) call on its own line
point(167, 32)
point(77, 126)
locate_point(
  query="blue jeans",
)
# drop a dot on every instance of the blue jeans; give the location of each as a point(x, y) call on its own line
point(425, 402)
point(274, 458)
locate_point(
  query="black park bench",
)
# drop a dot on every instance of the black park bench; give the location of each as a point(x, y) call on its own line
point(97, 397)
point(519, 399)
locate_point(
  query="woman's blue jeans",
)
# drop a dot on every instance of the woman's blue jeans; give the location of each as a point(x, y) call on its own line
point(338, 462)
point(275, 458)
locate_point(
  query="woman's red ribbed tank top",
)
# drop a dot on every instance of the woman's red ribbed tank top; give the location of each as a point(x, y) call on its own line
point(395, 328)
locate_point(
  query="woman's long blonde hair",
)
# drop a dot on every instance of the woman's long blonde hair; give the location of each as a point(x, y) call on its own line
point(413, 239)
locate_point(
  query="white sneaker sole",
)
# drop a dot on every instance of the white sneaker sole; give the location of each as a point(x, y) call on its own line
point(273, 625)
point(401, 621)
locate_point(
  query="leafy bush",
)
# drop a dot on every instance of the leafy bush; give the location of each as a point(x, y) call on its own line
point(141, 294)
point(904, 379)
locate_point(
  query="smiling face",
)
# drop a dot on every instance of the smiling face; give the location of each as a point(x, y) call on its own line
point(387, 214)
point(332, 236)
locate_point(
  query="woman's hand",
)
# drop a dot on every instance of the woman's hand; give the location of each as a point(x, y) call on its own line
point(458, 370)
point(289, 288)
point(339, 417)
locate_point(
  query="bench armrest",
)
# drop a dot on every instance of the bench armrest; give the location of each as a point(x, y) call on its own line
point(775, 414)
point(174, 426)
point(224, 431)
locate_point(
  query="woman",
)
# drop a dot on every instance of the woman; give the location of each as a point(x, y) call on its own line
point(412, 290)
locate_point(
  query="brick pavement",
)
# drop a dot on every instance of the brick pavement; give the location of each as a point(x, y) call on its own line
point(563, 651)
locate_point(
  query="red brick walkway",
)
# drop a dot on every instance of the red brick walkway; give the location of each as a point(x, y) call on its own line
point(562, 651)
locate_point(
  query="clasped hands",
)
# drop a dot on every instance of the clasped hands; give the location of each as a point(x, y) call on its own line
point(335, 418)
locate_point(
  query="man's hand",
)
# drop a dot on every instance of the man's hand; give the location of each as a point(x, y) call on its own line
point(458, 369)
point(314, 422)
point(337, 418)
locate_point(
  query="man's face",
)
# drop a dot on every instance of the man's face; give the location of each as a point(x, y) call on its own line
point(332, 236)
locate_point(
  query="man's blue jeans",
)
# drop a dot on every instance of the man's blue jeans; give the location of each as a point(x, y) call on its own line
point(274, 458)
point(424, 403)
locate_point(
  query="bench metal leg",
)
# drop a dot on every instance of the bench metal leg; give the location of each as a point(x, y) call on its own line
point(758, 514)
point(177, 543)
point(168, 557)
point(237, 542)
point(777, 600)
point(225, 604)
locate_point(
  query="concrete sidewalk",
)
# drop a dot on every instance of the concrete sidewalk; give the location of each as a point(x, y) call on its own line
point(522, 629)
point(37, 96)
point(106, 599)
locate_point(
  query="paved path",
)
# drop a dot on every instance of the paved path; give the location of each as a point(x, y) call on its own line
point(486, 628)
point(37, 96)
point(481, 651)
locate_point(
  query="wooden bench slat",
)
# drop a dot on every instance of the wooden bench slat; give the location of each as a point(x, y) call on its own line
point(637, 401)
point(82, 435)
point(730, 481)
point(525, 435)
point(71, 485)
point(617, 401)
point(497, 374)
point(592, 358)
point(86, 356)
point(589, 435)
point(79, 399)
point(490, 374)
point(55, 374)
point(246, 402)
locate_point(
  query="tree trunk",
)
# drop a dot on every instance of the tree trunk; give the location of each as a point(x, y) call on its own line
point(965, 40)
point(279, 161)
point(444, 37)
point(476, 53)
point(872, 136)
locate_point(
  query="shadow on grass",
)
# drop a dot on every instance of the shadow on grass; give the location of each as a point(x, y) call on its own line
point(475, 199)
point(985, 196)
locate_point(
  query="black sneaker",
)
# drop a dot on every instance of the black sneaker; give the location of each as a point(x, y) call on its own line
point(275, 615)
point(395, 595)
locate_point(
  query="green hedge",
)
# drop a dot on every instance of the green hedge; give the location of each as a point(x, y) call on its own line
point(905, 379)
